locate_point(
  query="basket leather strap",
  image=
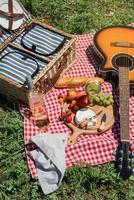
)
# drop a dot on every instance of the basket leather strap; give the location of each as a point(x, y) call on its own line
point(2, 32)
point(10, 15)
point(15, 15)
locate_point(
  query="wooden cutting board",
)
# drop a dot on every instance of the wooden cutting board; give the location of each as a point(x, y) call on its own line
point(110, 119)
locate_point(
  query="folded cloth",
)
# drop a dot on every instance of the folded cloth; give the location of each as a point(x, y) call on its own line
point(49, 158)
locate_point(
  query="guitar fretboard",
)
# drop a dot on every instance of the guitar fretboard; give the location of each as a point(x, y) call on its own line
point(124, 102)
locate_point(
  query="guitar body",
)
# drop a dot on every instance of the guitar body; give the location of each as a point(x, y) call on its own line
point(113, 46)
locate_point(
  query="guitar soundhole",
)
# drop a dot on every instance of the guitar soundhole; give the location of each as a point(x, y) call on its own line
point(123, 60)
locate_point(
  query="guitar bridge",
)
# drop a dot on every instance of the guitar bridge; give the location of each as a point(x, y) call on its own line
point(122, 44)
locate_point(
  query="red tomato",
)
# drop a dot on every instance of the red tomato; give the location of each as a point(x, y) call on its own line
point(68, 118)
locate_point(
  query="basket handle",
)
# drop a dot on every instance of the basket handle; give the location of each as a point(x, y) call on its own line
point(36, 70)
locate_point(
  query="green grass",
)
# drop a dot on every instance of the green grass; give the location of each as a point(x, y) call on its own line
point(82, 16)
point(91, 183)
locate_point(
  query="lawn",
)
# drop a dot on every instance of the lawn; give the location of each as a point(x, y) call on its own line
point(90, 183)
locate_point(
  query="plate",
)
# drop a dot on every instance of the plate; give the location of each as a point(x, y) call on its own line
point(4, 22)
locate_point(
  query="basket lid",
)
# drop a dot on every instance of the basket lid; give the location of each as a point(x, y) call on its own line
point(12, 14)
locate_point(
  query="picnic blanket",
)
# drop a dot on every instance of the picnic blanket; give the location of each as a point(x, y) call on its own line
point(90, 149)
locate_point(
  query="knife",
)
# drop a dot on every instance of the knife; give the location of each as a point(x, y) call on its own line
point(103, 122)
point(94, 116)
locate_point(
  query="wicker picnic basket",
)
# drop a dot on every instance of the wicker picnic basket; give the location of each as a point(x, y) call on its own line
point(52, 63)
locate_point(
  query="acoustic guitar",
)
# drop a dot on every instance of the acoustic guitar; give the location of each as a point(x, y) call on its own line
point(114, 50)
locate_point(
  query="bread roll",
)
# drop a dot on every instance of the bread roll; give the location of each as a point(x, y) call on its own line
point(64, 82)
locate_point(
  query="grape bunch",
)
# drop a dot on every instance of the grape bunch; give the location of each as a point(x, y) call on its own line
point(102, 99)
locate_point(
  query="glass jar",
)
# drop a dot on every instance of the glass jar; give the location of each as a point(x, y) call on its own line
point(37, 106)
point(92, 88)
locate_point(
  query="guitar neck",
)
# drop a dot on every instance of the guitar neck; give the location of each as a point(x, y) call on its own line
point(124, 102)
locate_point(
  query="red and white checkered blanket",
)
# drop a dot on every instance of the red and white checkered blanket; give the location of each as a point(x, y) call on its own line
point(92, 149)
